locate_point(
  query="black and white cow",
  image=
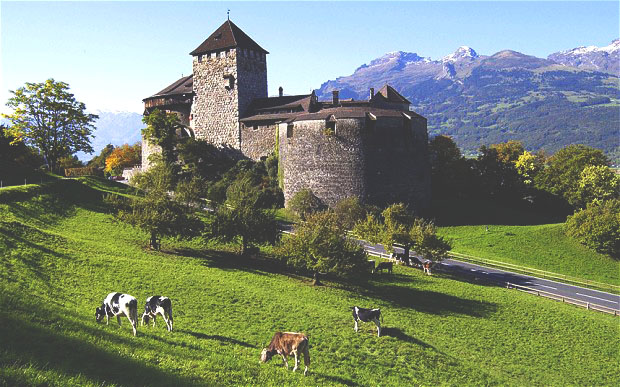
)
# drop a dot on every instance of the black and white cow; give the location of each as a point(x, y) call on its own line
point(158, 305)
point(119, 304)
point(366, 315)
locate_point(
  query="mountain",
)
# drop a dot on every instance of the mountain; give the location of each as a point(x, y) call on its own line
point(509, 95)
point(605, 59)
point(116, 128)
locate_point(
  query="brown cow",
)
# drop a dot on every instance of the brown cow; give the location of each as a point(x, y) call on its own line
point(286, 344)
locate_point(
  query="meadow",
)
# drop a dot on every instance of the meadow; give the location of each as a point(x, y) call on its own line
point(61, 253)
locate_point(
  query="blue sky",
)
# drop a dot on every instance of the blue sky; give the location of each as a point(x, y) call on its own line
point(113, 54)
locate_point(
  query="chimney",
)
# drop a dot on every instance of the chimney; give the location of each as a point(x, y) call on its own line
point(372, 93)
point(335, 99)
point(280, 91)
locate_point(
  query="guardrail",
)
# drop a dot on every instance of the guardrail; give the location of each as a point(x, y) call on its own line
point(535, 272)
point(568, 300)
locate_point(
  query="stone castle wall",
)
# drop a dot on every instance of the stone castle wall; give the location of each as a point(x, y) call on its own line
point(215, 113)
point(224, 84)
point(397, 162)
point(332, 166)
point(383, 164)
point(258, 141)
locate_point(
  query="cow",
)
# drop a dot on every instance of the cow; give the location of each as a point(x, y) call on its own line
point(366, 315)
point(371, 265)
point(427, 267)
point(286, 344)
point(119, 304)
point(158, 305)
point(384, 265)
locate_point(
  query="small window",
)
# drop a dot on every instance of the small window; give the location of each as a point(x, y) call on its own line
point(255, 127)
point(223, 54)
point(330, 126)
point(230, 84)
point(289, 131)
point(199, 58)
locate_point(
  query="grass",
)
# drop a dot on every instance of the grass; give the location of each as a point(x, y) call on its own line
point(543, 247)
point(61, 253)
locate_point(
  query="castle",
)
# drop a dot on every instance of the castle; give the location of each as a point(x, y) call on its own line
point(374, 149)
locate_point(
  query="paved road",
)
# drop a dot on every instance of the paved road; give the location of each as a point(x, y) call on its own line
point(490, 275)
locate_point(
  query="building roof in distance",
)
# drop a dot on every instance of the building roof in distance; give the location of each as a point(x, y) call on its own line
point(391, 95)
point(227, 36)
point(178, 87)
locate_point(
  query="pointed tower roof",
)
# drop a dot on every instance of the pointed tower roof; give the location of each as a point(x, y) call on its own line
point(391, 95)
point(227, 36)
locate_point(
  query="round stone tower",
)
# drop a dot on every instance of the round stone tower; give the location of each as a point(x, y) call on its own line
point(229, 71)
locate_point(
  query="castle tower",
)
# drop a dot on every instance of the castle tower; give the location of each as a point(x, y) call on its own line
point(229, 71)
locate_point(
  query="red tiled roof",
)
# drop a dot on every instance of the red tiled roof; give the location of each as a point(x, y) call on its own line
point(227, 36)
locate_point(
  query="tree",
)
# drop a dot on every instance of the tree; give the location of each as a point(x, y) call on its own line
point(161, 129)
point(99, 160)
point(122, 157)
point(528, 165)
point(598, 227)
point(509, 151)
point(48, 117)
point(320, 245)
point(598, 183)
point(401, 227)
point(451, 173)
point(350, 211)
point(305, 203)
point(157, 212)
point(240, 217)
point(563, 171)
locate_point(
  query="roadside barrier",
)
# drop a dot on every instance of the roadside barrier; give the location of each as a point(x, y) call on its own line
point(568, 300)
point(535, 272)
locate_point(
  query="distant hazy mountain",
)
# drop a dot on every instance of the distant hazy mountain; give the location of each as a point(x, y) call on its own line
point(116, 128)
point(605, 59)
point(480, 99)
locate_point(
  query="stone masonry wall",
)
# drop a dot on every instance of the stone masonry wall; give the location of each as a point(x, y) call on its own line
point(259, 142)
point(332, 166)
point(215, 112)
point(217, 106)
point(397, 162)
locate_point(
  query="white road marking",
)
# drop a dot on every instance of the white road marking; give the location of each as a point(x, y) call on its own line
point(545, 286)
point(472, 269)
point(484, 272)
point(598, 298)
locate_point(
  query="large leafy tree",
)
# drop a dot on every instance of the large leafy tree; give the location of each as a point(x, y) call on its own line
point(157, 212)
point(49, 118)
point(242, 218)
point(563, 172)
point(451, 173)
point(598, 183)
point(320, 245)
point(161, 129)
point(124, 156)
point(598, 227)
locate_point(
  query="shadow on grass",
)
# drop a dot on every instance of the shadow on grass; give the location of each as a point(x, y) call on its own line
point(230, 261)
point(331, 379)
point(427, 301)
point(400, 335)
point(222, 339)
point(27, 344)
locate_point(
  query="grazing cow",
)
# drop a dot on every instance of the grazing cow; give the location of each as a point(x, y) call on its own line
point(158, 305)
point(385, 265)
point(285, 344)
point(427, 267)
point(366, 315)
point(119, 304)
point(371, 265)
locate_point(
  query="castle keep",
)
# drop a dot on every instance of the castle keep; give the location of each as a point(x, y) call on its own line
point(375, 149)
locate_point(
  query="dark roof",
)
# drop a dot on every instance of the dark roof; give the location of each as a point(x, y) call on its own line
point(282, 117)
point(284, 102)
point(353, 112)
point(227, 36)
point(391, 95)
point(181, 86)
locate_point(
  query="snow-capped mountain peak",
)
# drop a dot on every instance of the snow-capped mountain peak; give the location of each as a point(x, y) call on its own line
point(605, 58)
point(463, 52)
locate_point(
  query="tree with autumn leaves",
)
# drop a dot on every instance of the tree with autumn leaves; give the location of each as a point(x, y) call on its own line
point(122, 157)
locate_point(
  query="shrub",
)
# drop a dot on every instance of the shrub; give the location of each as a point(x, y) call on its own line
point(305, 203)
point(85, 171)
point(598, 227)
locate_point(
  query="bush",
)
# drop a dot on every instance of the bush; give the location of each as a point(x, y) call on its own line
point(598, 227)
point(305, 203)
point(321, 245)
point(85, 171)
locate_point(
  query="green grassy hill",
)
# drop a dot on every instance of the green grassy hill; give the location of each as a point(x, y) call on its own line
point(61, 252)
